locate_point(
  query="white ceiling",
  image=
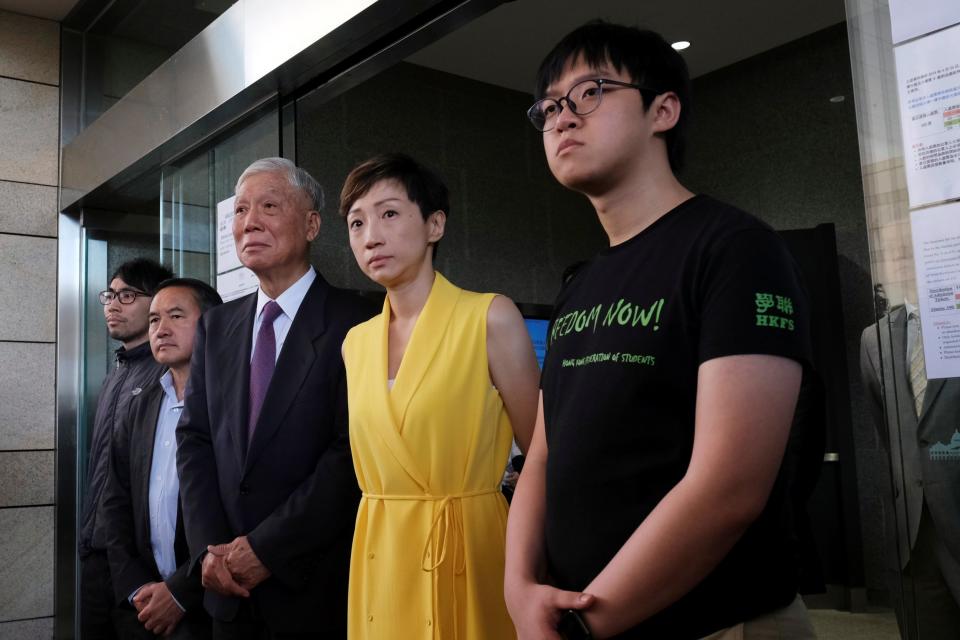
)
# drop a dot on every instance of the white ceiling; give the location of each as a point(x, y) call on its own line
point(505, 47)
point(49, 9)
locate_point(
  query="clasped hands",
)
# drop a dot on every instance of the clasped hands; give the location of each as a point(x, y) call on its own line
point(232, 569)
point(156, 608)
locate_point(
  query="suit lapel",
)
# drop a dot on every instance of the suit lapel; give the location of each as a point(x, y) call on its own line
point(233, 360)
point(148, 435)
point(900, 367)
point(296, 359)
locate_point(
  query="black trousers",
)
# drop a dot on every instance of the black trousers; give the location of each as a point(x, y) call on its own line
point(193, 626)
point(249, 626)
point(97, 602)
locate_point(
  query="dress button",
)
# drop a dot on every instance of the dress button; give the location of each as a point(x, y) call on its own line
point(371, 555)
point(429, 622)
point(166, 443)
point(369, 618)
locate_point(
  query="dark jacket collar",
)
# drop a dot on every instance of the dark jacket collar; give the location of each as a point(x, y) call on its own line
point(137, 353)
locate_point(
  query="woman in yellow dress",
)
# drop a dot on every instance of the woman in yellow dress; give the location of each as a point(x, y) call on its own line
point(438, 385)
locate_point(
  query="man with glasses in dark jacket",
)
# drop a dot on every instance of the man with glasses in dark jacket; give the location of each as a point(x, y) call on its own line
point(126, 306)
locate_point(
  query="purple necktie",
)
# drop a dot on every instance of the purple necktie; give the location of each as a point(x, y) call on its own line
point(263, 363)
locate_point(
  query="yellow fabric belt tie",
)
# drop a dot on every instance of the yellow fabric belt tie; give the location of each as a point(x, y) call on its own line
point(447, 519)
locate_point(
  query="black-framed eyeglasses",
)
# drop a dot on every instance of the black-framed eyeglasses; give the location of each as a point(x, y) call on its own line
point(125, 296)
point(583, 98)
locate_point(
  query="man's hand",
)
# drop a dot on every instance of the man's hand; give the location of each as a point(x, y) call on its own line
point(158, 611)
point(243, 563)
point(536, 609)
point(140, 600)
point(216, 576)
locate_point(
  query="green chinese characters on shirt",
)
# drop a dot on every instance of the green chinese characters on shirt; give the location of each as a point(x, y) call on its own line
point(773, 311)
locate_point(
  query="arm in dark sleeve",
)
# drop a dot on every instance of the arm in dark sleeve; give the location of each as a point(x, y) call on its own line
point(128, 569)
point(204, 519)
point(186, 587)
point(753, 300)
point(317, 512)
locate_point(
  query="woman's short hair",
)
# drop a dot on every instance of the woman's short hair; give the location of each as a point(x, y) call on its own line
point(423, 186)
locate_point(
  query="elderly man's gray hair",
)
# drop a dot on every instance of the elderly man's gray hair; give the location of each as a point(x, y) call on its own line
point(297, 177)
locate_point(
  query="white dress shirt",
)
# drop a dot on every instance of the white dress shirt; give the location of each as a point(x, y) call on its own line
point(289, 301)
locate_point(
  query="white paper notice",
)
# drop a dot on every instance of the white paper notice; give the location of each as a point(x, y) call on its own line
point(236, 283)
point(227, 259)
point(928, 82)
point(936, 252)
point(912, 18)
point(233, 279)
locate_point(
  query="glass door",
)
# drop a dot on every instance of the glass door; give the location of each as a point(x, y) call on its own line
point(191, 189)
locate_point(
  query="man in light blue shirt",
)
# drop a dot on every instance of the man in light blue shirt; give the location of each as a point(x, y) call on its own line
point(141, 511)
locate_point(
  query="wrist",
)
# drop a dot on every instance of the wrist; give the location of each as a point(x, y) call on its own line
point(514, 585)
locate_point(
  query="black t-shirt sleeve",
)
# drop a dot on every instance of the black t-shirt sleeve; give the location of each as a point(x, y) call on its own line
point(752, 300)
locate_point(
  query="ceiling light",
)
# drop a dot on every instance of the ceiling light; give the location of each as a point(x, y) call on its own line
point(836, 99)
point(680, 45)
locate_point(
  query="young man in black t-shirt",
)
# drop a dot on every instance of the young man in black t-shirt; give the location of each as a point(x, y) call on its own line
point(650, 501)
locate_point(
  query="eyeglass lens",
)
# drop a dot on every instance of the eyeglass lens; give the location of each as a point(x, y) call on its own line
point(126, 296)
point(583, 98)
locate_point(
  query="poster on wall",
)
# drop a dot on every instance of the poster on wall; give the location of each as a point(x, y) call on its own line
point(928, 84)
point(936, 253)
point(233, 279)
point(912, 18)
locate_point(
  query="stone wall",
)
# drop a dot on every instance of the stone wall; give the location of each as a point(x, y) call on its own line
point(29, 174)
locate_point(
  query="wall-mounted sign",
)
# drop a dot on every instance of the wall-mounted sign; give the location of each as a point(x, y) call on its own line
point(912, 18)
point(936, 253)
point(233, 279)
point(928, 84)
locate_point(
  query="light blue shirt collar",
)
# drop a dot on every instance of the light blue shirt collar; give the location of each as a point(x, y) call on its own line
point(166, 381)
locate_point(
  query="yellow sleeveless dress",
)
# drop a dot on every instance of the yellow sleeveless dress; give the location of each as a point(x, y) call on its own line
point(428, 551)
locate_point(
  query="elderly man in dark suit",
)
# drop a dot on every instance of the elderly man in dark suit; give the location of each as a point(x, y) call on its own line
point(269, 493)
point(140, 511)
point(917, 420)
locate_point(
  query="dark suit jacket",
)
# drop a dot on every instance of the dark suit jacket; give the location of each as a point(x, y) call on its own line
point(125, 508)
point(925, 475)
point(292, 491)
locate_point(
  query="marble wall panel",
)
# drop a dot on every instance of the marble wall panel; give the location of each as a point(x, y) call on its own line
point(28, 208)
point(26, 478)
point(29, 129)
point(26, 555)
point(28, 288)
point(29, 48)
point(27, 396)
point(37, 629)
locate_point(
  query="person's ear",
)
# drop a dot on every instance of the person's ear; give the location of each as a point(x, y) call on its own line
point(436, 223)
point(666, 114)
point(313, 225)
